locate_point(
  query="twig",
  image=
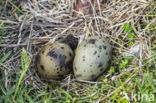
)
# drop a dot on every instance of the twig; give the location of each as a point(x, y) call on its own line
point(88, 82)
point(18, 45)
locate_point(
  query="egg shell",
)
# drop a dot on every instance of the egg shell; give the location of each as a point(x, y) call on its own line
point(92, 57)
point(54, 60)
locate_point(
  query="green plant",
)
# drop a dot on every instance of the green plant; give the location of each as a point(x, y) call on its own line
point(25, 63)
point(18, 9)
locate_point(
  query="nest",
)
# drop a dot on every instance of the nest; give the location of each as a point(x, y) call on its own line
point(46, 20)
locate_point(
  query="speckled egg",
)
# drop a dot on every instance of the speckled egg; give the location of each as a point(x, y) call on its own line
point(92, 57)
point(54, 60)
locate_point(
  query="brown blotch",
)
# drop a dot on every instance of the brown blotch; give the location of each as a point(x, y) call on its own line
point(75, 69)
point(43, 52)
point(70, 54)
point(42, 67)
point(62, 47)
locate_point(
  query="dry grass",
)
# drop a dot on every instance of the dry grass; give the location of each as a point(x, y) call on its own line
point(45, 20)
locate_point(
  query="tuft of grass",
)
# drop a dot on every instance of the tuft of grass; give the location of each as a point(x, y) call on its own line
point(25, 62)
point(4, 9)
point(18, 9)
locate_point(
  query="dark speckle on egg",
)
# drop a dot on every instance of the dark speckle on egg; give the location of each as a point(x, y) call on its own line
point(42, 67)
point(78, 75)
point(106, 53)
point(103, 41)
point(75, 69)
point(70, 54)
point(100, 65)
point(94, 52)
point(100, 47)
point(92, 41)
point(83, 58)
point(43, 52)
point(85, 45)
point(104, 47)
point(62, 47)
point(52, 54)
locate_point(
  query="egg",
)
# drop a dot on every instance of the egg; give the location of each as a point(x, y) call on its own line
point(54, 61)
point(92, 57)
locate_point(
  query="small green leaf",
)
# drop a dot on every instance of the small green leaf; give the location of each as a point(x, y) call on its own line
point(112, 70)
point(127, 27)
point(5, 57)
point(130, 36)
point(2, 31)
point(30, 99)
point(131, 43)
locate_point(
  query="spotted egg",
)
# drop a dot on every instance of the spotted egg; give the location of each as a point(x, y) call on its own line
point(92, 57)
point(54, 60)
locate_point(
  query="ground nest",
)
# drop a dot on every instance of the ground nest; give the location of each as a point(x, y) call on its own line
point(130, 27)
